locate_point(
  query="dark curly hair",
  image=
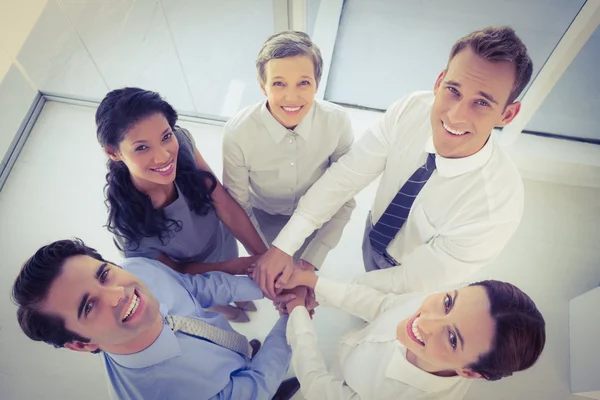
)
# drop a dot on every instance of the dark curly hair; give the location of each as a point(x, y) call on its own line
point(32, 286)
point(520, 332)
point(130, 212)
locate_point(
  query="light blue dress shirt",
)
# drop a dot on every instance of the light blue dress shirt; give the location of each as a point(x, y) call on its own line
point(179, 366)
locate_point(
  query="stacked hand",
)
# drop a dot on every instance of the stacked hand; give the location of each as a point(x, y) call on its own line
point(277, 275)
point(274, 265)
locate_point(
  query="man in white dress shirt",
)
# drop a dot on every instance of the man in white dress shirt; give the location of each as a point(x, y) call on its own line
point(467, 198)
point(274, 151)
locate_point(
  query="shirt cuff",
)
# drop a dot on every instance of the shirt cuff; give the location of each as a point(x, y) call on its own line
point(330, 292)
point(246, 289)
point(299, 323)
point(293, 234)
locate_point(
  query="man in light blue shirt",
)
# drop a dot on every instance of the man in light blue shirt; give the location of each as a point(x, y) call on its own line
point(69, 296)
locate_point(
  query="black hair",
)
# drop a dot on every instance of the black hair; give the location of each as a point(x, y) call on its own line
point(130, 212)
point(32, 286)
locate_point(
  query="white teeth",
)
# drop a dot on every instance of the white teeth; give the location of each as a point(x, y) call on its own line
point(164, 169)
point(452, 131)
point(291, 109)
point(415, 331)
point(132, 307)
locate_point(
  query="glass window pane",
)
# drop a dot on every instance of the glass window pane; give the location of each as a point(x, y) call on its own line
point(311, 16)
point(217, 42)
point(571, 108)
point(388, 48)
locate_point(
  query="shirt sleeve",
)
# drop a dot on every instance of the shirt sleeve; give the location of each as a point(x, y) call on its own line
point(267, 369)
point(219, 288)
point(185, 138)
point(445, 260)
point(139, 249)
point(330, 233)
point(363, 163)
point(236, 178)
point(316, 383)
point(360, 300)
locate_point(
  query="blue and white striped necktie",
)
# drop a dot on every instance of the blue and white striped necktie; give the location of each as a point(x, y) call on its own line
point(396, 213)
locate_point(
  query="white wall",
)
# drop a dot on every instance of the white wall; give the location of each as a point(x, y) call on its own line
point(17, 92)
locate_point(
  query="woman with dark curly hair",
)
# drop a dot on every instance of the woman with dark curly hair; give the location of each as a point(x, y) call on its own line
point(164, 201)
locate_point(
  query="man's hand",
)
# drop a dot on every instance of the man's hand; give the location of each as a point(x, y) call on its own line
point(274, 264)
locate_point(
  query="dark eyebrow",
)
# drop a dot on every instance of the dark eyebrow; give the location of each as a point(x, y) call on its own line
point(485, 95)
point(86, 296)
point(488, 97)
point(144, 141)
point(101, 269)
point(82, 303)
point(462, 343)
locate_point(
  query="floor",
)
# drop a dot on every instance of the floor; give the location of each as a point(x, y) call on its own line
point(55, 191)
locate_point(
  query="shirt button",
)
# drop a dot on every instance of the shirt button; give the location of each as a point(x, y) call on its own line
point(291, 140)
point(292, 164)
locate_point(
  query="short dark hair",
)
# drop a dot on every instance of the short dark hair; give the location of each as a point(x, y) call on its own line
point(32, 286)
point(499, 43)
point(520, 332)
point(289, 44)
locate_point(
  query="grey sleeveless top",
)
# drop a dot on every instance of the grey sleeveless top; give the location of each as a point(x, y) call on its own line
point(202, 238)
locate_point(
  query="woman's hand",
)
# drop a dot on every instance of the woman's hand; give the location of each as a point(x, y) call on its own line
point(240, 265)
point(302, 275)
point(300, 300)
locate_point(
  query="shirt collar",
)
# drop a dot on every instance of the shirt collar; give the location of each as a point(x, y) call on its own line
point(278, 132)
point(451, 167)
point(400, 369)
point(163, 348)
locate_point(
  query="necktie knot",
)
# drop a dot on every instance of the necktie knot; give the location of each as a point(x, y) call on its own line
point(430, 163)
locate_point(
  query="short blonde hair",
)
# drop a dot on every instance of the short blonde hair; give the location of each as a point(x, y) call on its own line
point(289, 44)
point(499, 43)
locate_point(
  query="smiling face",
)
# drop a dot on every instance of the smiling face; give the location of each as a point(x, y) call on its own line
point(290, 87)
point(149, 150)
point(104, 303)
point(449, 331)
point(470, 100)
